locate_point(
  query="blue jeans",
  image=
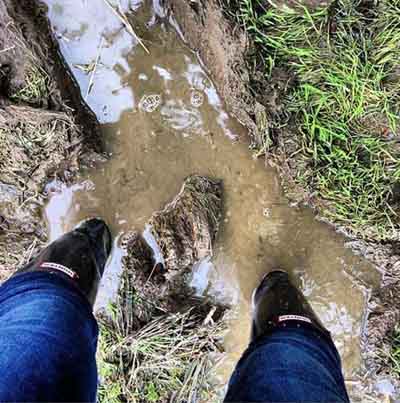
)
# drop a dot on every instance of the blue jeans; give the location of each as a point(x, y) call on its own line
point(294, 364)
point(48, 340)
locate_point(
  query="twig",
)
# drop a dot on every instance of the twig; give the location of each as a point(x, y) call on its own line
point(7, 49)
point(94, 69)
point(127, 24)
point(152, 272)
point(32, 248)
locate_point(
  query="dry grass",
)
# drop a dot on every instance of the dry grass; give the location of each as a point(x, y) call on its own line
point(170, 358)
point(33, 143)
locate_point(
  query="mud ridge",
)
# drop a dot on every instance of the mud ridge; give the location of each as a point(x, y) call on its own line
point(46, 130)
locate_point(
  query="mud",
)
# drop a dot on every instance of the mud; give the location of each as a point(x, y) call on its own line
point(215, 37)
point(155, 297)
point(144, 279)
point(222, 51)
point(44, 128)
point(163, 121)
point(186, 229)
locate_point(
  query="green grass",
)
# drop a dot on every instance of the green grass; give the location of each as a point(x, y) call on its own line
point(35, 88)
point(344, 102)
point(394, 355)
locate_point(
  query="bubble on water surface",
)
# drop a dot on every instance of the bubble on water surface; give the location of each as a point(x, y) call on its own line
point(196, 98)
point(149, 103)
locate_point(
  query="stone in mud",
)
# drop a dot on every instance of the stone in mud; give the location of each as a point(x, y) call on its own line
point(187, 227)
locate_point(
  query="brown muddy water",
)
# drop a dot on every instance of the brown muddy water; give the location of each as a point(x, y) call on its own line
point(163, 120)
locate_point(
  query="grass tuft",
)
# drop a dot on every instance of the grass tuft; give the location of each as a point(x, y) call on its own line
point(393, 357)
point(170, 358)
point(35, 89)
point(344, 102)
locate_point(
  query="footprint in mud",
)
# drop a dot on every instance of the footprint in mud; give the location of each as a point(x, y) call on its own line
point(149, 103)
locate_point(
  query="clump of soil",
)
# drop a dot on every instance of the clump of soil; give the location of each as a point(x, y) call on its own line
point(45, 128)
point(142, 281)
point(156, 311)
point(186, 229)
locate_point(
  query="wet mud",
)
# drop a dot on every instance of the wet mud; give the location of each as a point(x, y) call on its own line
point(186, 229)
point(185, 232)
point(212, 33)
point(41, 131)
point(163, 120)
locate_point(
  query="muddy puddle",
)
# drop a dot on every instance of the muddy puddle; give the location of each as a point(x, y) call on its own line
point(163, 120)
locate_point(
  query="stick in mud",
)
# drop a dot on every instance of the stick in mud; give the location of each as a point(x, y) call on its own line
point(91, 80)
point(122, 17)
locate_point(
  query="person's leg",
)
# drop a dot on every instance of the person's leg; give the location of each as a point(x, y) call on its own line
point(291, 357)
point(48, 334)
point(48, 338)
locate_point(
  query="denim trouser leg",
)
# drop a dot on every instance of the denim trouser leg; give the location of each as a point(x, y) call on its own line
point(289, 365)
point(48, 339)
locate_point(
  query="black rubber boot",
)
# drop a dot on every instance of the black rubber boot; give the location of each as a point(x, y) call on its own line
point(80, 255)
point(277, 302)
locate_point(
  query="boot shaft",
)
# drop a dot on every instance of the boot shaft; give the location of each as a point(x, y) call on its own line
point(79, 255)
point(276, 301)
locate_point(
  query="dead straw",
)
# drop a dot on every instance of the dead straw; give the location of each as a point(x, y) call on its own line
point(91, 80)
point(122, 17)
